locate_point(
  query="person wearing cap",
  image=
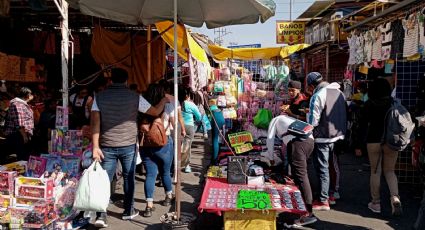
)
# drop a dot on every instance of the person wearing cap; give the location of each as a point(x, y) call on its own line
point(299, 148)
point(298, 101)
point(327, 114)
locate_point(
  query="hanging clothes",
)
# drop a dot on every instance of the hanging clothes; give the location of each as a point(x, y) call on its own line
point(411, 38)
point(397, 42)
point(283, 78)
point(367, 37)
point(421, 21)
point(271, 72)
point(353, 49)
point(387, 38)
point(377, 44)
point(360, 49)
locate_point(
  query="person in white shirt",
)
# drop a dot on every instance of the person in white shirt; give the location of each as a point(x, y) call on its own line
point(300, 145)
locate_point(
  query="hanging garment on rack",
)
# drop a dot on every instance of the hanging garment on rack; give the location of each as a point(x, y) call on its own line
point(421, 20)
point(387, 38)
point(398, 39)
point(377, 44)
point(271, 72)
point(411, 38)
point(283, 78)
point(360, 49)
point(353, 49)
point(367, 37)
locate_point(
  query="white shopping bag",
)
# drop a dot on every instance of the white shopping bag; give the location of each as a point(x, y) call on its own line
point(94, 190)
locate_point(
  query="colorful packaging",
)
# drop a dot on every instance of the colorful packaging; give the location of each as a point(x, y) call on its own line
point(62, 117)
point(73, 143)
point(71, 166)
point(42, 215)
point(7, 182)
point(20, 167)
point(33, 188)
point(36, 167)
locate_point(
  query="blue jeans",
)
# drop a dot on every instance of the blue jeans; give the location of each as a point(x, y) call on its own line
point(126, 155)
point(155, 159)
point(321, 164)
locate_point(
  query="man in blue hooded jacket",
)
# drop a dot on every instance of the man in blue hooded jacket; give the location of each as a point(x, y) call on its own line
point(328, 116)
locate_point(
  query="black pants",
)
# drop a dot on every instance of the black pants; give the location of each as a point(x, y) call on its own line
point(298, 153)
point(15, 143)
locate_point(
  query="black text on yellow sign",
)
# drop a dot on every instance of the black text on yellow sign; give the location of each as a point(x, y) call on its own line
point(289, 32)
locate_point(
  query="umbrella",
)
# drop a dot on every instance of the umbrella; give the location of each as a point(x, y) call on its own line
point(214, 13)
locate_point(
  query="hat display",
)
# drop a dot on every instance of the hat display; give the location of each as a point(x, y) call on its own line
point(313, 78)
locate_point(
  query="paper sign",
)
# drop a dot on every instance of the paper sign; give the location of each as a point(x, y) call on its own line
point(252, 199)
point(289, 33)
point(240, 138)
point(243, 148)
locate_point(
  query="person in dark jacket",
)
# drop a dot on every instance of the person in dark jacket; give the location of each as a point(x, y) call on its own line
point(381, 157)
point(328, 116)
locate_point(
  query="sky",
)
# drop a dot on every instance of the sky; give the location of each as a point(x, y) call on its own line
point(264, 34)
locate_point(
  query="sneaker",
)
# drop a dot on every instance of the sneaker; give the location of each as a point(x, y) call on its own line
point(148, 211)
point(321, 206)
point(101, 221)
point(188, 169)
point(131, 215)
point(332, 200)
point(396, 206)
point(206, 136)
point(167, 201)
point(374, 207)
point(337, 196)
point(305, 220)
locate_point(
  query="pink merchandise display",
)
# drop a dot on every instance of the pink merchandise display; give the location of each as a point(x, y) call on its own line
point(36, 167)
point(219, 196)
point(7, 182)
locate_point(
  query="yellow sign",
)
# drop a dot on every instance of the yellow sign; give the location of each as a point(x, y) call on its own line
point(290, 33)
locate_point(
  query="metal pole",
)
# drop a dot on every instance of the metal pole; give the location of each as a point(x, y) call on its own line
point(290, 10)
point(176, 103)
point(64, 52)
point(327, 62)
point(149, 63)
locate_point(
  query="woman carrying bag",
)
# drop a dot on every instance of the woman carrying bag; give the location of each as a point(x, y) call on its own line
point(157, 156)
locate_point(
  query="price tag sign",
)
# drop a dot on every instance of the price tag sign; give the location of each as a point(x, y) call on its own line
point(252, 199)
point(243, 148)
point(240, 138)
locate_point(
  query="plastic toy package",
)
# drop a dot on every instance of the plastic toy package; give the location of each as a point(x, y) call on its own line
point(43, 214)
point(62, 117)
point(34, 188)
point(7, 182)
point(20, 167)
point(36, 167)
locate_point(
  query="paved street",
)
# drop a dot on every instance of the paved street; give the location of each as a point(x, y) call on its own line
point(349, 213)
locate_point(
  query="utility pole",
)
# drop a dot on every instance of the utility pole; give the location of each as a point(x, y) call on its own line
point(290, 10)
point(219, 34)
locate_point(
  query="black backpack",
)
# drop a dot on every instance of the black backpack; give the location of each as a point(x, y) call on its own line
point(399, 127)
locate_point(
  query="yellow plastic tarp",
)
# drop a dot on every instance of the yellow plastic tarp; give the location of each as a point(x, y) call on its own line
point(222, 53)
point(184, 41)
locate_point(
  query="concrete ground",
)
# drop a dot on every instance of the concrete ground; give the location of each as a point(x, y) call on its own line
point(350, 212)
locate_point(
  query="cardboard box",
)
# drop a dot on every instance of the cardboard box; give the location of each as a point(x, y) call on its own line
point(33, 188)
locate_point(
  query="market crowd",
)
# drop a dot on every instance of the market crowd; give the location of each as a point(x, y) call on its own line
point(148, 123)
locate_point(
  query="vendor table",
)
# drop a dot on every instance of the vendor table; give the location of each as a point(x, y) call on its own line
point(219, 196)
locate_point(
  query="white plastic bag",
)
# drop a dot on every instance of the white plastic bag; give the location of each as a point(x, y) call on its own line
point(94, 190)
